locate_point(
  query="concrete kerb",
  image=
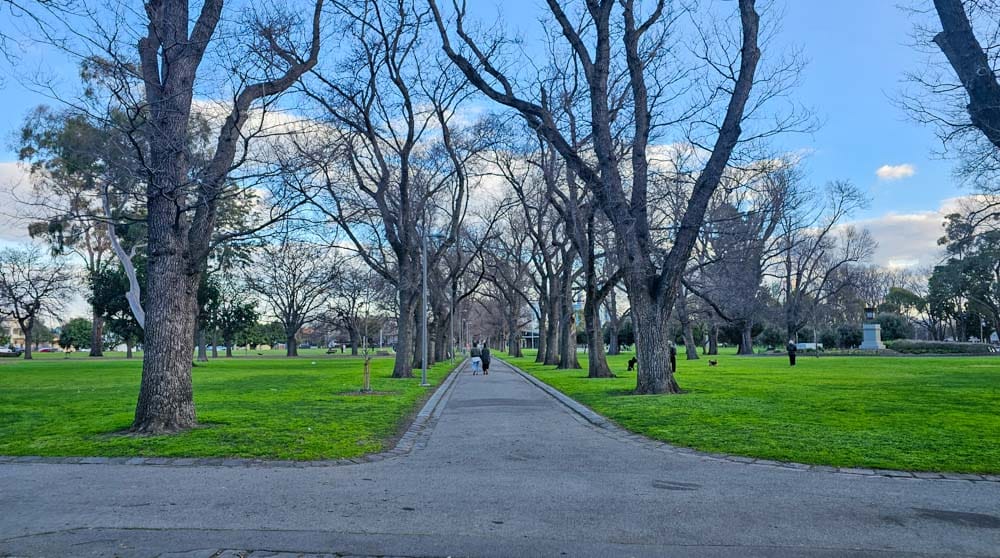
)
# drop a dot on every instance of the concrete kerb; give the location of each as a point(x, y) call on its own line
point(409, 440)
point(615, 431)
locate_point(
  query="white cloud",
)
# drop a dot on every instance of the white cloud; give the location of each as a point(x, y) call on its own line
point(895, 172)
point(909, 240)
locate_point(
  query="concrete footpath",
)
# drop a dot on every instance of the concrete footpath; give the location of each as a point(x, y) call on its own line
point(503, 469)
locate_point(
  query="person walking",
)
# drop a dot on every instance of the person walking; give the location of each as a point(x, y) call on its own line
point(485, 352)
point(476, 358)
point(791, 352)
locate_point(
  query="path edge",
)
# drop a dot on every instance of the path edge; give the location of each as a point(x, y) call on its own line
point(412, 438)
point(615, 431)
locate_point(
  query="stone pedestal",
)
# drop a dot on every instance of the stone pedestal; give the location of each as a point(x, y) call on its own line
point(872, 337)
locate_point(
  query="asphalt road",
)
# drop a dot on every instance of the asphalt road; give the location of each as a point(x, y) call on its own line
point(505, 471)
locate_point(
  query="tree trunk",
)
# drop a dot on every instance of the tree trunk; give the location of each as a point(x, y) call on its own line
point(291, 346)
point(682, 315)
point(513, 337)
point(166, 396)
point(567, 329)
point(713, 340)
point(403, 367)
point(597, 362)
point(229, 347)
point(27, 341)
point(97, 335)
point(128, 349)
point(202, 346)
point(355, 340)
point(650, 322)
point(542, 324)
point(215, 345)
point(746, 338)
point(614, 345)
point(552, 331)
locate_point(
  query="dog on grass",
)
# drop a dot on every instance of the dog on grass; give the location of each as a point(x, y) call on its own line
point(631, 364)
point(713, 363)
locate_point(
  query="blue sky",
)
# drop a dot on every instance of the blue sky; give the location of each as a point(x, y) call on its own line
point(858, 52)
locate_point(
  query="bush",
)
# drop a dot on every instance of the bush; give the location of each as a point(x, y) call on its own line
point(829, 339)
point(912, 346)
point(849, 336)
point(894, 326)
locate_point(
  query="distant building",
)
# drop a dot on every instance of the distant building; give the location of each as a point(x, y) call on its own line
point(12, 331)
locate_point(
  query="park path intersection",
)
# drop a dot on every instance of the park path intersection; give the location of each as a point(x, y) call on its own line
point(501, 469)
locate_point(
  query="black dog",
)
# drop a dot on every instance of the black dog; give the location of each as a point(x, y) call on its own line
point(713, 363)
point(631, 363)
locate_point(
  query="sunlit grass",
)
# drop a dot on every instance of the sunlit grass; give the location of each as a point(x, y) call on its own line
point(913, 413)
point(279, 408)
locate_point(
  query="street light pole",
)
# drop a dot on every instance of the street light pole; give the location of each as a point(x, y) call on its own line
point(423, 304)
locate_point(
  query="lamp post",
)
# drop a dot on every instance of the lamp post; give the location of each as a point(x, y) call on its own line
point(423, 304)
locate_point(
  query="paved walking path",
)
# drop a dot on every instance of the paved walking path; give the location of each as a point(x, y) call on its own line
point(505, 470)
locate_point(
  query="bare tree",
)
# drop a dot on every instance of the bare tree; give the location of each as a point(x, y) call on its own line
point(32, 288)
point(616, 36)
point(295, 278)
point(392, 164)
point(819, 253)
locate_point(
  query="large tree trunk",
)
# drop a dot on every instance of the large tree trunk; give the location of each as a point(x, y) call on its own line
point(713, 339)
point(403, 367)
point(597, 362)
point(96, 335)
point(128, 349)
point(291, 345)
point(166, 397)
point(229, 347)
point(746, 338)
point(652, 343)
point(215, 344)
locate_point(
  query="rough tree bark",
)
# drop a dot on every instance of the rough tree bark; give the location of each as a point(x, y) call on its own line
point(179, 236)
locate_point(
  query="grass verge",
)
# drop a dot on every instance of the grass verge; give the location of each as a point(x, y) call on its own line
point(909, 413)
point(270, 408)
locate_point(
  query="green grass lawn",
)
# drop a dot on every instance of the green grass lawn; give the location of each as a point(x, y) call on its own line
point(248, 407)
point(912, 413)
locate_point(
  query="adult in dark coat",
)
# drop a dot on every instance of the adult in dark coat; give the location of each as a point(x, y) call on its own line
point(791, 352)
point(485, 355)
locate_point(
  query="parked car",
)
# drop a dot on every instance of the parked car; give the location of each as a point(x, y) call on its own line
point(50, 350)
point(10, 353)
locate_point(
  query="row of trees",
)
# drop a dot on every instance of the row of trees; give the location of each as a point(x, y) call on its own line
point(632, 157)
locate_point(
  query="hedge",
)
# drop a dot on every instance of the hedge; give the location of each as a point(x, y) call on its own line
point(913, 346)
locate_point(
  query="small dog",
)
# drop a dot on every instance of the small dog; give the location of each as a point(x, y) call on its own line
point(713, 363)
point(631, 364)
